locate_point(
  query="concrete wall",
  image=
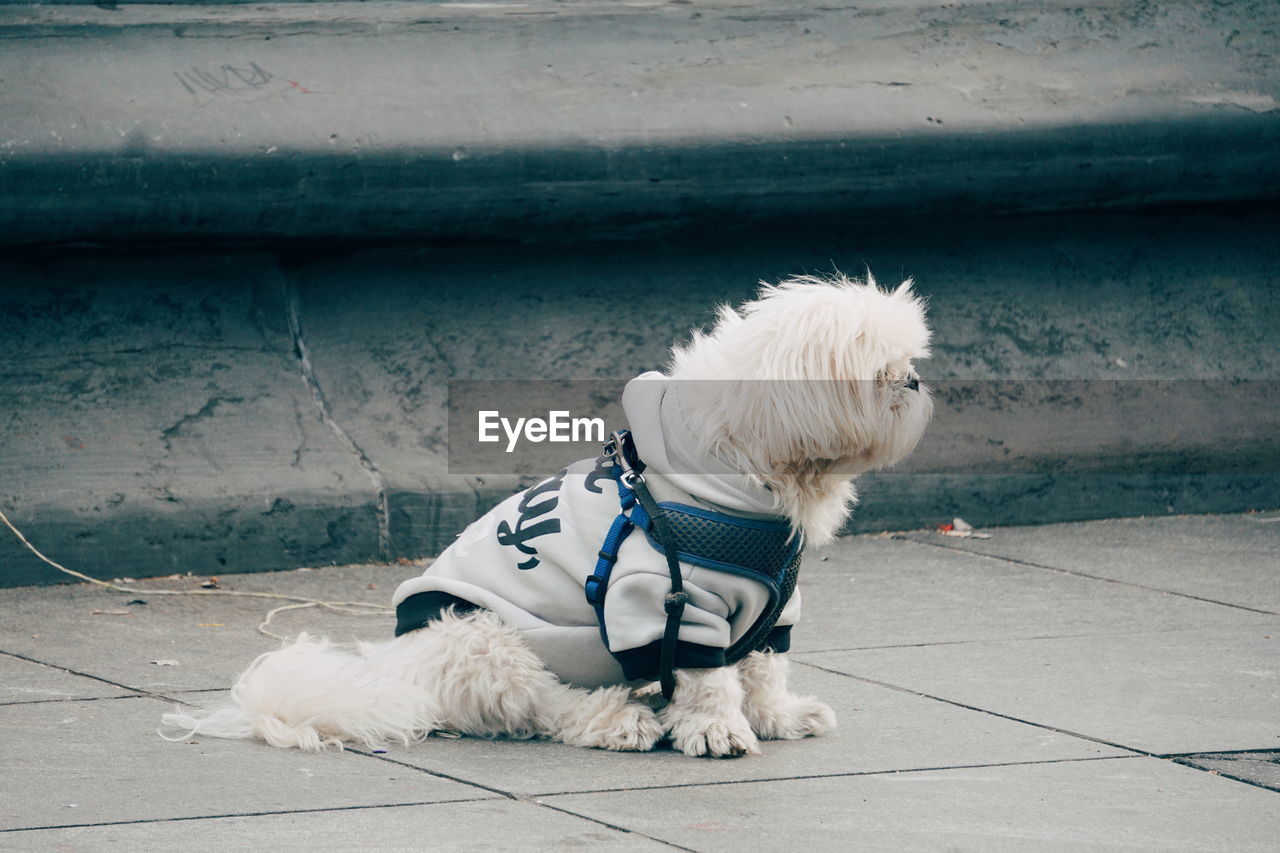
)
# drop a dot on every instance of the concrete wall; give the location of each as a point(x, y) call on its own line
point(243, 249)
point(157, 415)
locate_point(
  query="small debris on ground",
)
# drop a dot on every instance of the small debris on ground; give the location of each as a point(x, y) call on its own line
point(165, 662)
point(1256, 518)
point(111, 613)
point(211, 583)
point(962, 530)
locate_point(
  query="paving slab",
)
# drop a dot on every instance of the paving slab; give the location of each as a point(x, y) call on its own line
point(1121, 804)
point(1229, 558)
point(211, 637)
point(1194, 690)
point(22, 681)
point(1257, 768)
point(93, 762)
point(875, 590)
point(498, 824)
point(878, 730)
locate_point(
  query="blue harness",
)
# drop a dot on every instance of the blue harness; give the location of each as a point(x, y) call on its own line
point(764, 551)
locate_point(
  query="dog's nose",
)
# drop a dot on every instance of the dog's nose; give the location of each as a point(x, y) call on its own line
point(913, 384)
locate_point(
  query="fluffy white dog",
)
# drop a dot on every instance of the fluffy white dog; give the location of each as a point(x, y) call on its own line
point(743, 453)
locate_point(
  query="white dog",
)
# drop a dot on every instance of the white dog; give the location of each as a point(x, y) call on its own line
point(741, 455)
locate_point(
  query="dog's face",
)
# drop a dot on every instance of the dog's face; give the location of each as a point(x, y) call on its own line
point(813, 382)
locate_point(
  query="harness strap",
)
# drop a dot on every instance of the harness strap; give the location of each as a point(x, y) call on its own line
point(677, 598)
point(645, 513)
point(597, 582)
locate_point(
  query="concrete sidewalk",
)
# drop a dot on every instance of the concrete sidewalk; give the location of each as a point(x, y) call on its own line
point(1065, 687)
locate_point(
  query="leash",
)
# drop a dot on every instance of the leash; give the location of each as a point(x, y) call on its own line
point(353, 608)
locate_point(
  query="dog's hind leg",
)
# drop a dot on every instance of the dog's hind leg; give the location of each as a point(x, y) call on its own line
point(775, 713)
point(606, 718)
point(489, 683)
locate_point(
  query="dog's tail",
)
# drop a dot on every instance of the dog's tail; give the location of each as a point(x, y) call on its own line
point(311, 695)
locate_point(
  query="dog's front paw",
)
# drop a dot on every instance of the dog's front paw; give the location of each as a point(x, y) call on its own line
point(792, 718)
point(714, 738)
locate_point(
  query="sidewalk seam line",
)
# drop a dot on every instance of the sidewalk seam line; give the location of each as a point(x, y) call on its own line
point(227, 815)
point(436, 773)
point(1270, 749)
point(1074, 573)
point(613, 826)
point(1027, 639)
point(843, 775)
point(953, 702)
point(4, 704)
point(61, 668)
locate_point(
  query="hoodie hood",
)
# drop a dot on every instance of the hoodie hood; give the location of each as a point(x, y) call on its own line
point(652, 403)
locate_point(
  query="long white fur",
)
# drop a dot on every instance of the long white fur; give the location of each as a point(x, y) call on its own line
point(809, 391)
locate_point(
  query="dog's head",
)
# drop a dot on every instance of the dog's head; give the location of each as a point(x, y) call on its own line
point(809, 385)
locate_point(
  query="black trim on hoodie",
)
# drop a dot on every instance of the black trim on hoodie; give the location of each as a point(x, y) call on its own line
point(423, 607)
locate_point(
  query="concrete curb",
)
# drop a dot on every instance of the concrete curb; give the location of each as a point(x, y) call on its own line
point(494, 120)
point(158, 416)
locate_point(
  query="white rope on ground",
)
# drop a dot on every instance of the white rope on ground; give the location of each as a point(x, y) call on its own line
point(351, 608)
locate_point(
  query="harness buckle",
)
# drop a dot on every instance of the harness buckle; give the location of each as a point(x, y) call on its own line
point(615, 449)
point(630, 476)
point(594, 589)
point(614, 444)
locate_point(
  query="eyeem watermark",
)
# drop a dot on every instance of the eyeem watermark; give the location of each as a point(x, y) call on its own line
point(529, 427)
point(558, 427)
point(1036, 429)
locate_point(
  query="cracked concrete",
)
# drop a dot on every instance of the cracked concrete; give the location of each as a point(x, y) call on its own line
point(174, 450)
point(303, 352)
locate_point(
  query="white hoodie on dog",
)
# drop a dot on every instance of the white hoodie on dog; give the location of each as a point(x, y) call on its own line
point(527, 560)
